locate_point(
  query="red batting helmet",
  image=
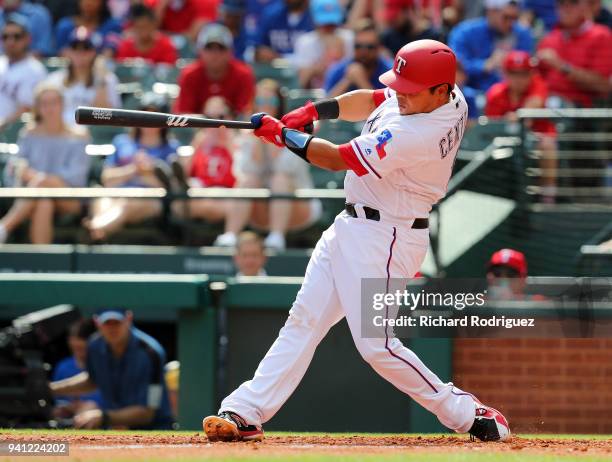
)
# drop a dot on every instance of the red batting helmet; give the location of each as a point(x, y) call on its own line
point(510, 258)
point(419, 65)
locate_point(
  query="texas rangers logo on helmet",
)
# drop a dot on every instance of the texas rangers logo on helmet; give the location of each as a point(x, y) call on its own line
point(176, 121)
point(401, 62)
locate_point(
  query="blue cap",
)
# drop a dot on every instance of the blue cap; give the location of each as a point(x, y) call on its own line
point(326, 12)
point(19, 20)
point(107, 314)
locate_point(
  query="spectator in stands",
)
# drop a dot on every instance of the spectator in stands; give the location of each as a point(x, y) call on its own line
point(252, 20)
point(95, 16)
point(78, 335)
point(522, 87)
point(250, 257)
point(39, 24)
point(232, 15)
point(127, 366)
point(405, 24)
point(363, 70)
point(85, 81)
point(507, 277)
point(279, 28)
point(61, 8)
point(185, 17)
point(215, 73)
point(209, 166)
point(539, 10)
point(51, 155)
point(358, 10)
point(260, 165)
point(144, 40)
point(132, 165)
point(600, 13)
point(315, 51)
point(574, 60)
point(20, 72)
point(471, 95)
point(482, 44)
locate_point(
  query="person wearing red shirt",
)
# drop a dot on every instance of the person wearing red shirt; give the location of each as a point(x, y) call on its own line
point(210, 166)
point(576, 62)
point(215, 73)
point(144, 40)
point(522, 87)
point(184, 17)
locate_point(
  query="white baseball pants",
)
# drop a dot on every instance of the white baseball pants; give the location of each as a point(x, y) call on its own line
point(349, 250)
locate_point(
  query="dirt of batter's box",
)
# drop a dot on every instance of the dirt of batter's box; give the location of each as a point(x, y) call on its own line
point(138, 446)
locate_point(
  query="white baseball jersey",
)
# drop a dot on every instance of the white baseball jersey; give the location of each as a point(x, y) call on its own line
point(401, 165)
point(17, 83)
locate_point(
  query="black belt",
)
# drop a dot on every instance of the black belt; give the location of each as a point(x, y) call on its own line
point(373, 214)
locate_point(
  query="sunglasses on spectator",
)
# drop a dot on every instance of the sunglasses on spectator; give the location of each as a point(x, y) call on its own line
point(214, 47)
point(17, 36)
point(567, 2)
point(366, 46)
point(217, 116)
point(504, 272)
point(82, 46)
point(510, 17)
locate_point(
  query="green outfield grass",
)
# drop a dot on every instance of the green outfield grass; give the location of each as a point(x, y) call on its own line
point(440, 454)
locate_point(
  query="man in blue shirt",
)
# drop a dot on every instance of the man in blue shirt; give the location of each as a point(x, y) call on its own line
point(78, 336)
point(481, 44)
point(127, 366)
point(363, 69)
point(280, 26)
point(39, 21)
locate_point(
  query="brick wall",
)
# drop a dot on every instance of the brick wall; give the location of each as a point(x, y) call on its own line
point(541, 385)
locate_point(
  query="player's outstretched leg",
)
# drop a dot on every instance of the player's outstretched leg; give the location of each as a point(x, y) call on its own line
point(229, 426)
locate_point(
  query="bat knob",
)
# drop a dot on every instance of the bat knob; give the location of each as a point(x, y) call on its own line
point(256, 119)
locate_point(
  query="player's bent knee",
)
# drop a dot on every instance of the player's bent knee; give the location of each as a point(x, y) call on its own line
point(372, 350)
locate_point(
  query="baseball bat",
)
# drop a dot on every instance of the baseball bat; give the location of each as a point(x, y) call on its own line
point(130, 118)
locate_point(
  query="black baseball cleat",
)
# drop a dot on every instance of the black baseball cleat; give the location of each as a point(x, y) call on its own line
point(489, 425)
point(229, 426)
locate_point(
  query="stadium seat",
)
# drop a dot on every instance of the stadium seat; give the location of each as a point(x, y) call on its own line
point(284, 74)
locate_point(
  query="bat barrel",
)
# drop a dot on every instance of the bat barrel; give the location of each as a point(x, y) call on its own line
point(130, 118)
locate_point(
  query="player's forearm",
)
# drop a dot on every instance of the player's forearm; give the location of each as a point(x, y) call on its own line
point(75, 385)
point(130, 416)
point(356, 105)
point(325, 155)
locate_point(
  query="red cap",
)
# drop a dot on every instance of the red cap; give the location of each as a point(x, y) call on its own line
point(518, 61)
point(419, 65)
point(511, 258)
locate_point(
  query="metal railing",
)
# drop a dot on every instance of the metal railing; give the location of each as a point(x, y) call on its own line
point(571, 164)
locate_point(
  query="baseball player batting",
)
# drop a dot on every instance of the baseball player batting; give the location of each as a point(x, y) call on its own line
point(397, 169)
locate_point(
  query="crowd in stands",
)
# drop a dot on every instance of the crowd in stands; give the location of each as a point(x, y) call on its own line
point(512, 54)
